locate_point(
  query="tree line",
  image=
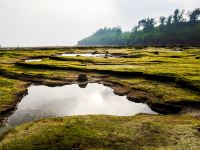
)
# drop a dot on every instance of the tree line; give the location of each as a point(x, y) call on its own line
point(177, 29)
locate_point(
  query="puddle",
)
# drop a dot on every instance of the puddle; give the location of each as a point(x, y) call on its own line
point(85, 55)
point(33, 60)
point(44, 102)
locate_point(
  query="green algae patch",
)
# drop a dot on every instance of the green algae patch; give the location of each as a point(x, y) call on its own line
point(106, 132)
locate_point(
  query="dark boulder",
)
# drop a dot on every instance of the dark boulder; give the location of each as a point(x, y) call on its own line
point(82, 78)
point(198, 57)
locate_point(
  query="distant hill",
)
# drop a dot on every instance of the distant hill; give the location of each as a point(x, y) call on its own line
point(172, 30)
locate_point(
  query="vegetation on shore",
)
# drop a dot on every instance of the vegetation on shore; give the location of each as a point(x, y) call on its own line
point(148, 32)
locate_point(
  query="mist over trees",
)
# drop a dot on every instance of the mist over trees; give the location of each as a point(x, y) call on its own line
point(179, 28)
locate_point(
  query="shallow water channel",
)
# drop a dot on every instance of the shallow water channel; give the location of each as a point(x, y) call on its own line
point(44, 102)
point(85, 55)
point(33, 60)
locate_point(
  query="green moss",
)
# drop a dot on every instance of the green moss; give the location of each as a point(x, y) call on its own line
point(107, 132)
point(8, 90)
point(166, 92)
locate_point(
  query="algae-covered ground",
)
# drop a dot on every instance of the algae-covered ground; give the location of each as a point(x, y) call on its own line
point(167, 79)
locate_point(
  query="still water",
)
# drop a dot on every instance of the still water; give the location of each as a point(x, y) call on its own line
point(85, 55)
point(33, 60)
point(44, 102)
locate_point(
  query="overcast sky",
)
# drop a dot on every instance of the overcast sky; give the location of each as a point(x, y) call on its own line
point(64, 22)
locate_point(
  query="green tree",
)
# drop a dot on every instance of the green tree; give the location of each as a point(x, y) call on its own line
point(178, 16)
point(172, 30)
point(194, 15)
point(162, 22)
point(147, 24)
point(169, 20)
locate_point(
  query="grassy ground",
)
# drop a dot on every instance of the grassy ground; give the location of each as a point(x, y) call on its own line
point(10, 92)
point(185, 67)
point(107, 132)
point(165, 77)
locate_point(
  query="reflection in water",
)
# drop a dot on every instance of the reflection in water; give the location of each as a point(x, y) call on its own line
point(83, 85)
point(33, 60)
point(85, 55)
point(43, 102)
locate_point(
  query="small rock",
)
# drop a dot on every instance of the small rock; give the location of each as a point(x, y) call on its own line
point(198, 128)
point(197, 57)
point(82, 77)
point(178, 49)
point(156, 53)
point(95, 52)
point(106, 54)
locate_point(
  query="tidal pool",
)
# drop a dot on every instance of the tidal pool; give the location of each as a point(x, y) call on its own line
point(44, 102)
point(85, 55)
point(33, 60)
